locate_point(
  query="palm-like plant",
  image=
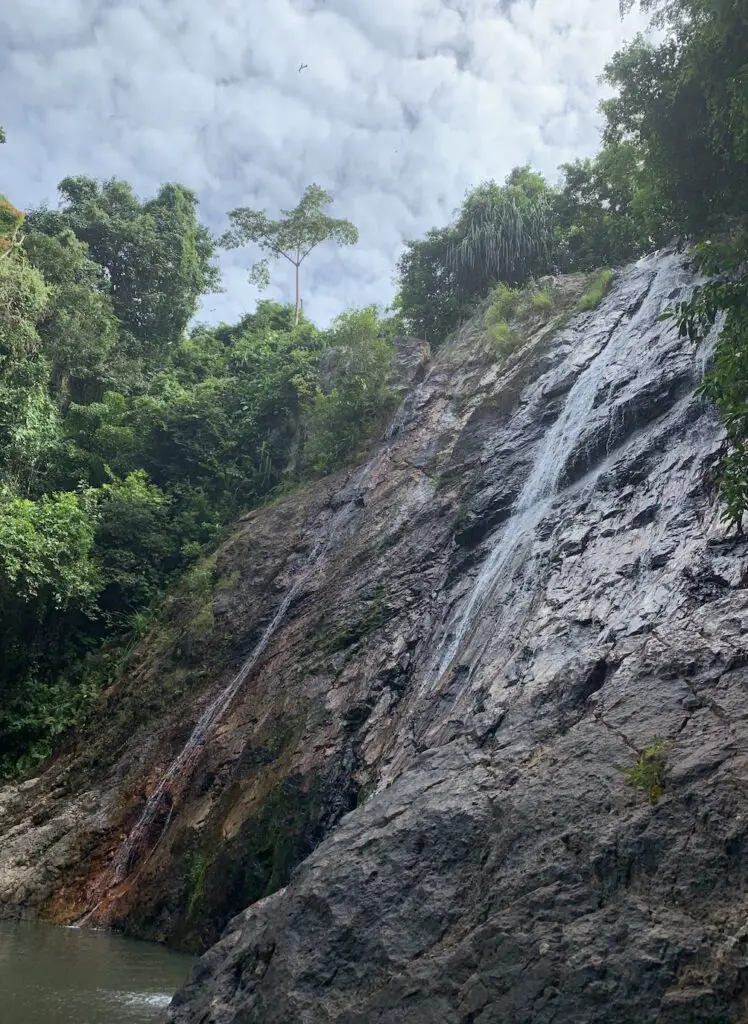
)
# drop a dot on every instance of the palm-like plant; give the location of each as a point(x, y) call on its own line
point(501, 237)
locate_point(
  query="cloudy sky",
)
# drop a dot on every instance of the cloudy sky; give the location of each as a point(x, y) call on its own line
point(403, 106)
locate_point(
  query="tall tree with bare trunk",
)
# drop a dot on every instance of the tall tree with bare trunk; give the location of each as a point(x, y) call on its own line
point(293, 237)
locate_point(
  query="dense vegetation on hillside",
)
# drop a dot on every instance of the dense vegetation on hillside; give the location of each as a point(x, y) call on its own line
point(129, 439)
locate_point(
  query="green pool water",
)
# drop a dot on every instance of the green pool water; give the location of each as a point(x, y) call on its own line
point(54, 975)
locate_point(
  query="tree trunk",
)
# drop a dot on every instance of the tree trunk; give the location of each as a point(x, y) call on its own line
point(298, 297)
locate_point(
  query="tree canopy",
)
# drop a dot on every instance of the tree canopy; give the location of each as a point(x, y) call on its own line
point(129, 440)
point(155, 256)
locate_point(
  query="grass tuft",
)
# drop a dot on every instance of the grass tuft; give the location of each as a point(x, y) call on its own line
point(596, 292)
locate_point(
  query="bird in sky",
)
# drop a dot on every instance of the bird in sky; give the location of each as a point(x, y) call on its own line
point(302, 66)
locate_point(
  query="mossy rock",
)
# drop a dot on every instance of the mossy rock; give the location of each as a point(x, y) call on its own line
point(223, 877)
point(374, 614)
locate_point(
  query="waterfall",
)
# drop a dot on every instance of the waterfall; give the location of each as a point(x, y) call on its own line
point(141, 834)
point(601, 343)
point(161, 799)
point(621, 344)
point(209, 718)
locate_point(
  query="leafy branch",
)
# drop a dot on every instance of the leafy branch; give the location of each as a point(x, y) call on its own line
point(725, 296)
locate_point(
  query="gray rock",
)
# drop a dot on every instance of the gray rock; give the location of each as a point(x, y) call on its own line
point(503, 870)
point(446, 712)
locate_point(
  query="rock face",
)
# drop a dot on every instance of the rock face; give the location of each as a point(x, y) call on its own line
point(524, 586)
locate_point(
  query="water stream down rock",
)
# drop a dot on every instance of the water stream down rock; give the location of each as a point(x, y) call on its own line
point(417, 791)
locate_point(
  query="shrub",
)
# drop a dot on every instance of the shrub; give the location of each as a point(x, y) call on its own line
point(596, 292)
point(503, 338)
point(505, 302)
point(354, 402)
point(542, 301)
point(515, 306)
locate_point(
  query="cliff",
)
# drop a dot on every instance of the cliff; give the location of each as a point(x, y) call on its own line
point(448, 659)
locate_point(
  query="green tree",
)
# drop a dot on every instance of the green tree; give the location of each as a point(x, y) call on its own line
point(101, 440)
point(428, 298)
point(503, 233)
point(231, 434)
point(30, 427)
point(684, 103)
point(607, 211)
point(48, 585)
point(11, 221)
point(136, 545)
point(45, 549)
point(293, 237)
point(29, 424)
point(354, 397)
point(23, 299)
point(78, 329)
point(155, 255)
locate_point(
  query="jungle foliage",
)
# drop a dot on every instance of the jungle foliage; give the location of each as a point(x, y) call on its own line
point(129, 440)
point(131, 436)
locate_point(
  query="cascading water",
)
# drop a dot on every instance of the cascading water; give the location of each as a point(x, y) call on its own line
point(580, 413)
point(209, 718)
point(141, 836)
point(161, 798)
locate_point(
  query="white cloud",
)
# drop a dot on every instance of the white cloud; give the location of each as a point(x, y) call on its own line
point(404, 105)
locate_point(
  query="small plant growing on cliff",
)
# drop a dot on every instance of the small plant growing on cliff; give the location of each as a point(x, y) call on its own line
point(503, 339)
point(513, 312)
point(196, 875)
point(648, 772)
point(598, 288)
point(542, 301)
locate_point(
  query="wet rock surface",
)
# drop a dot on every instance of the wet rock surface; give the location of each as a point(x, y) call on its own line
point(524, 586)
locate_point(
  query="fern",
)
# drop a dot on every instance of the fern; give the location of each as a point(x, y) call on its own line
point(648, 772)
